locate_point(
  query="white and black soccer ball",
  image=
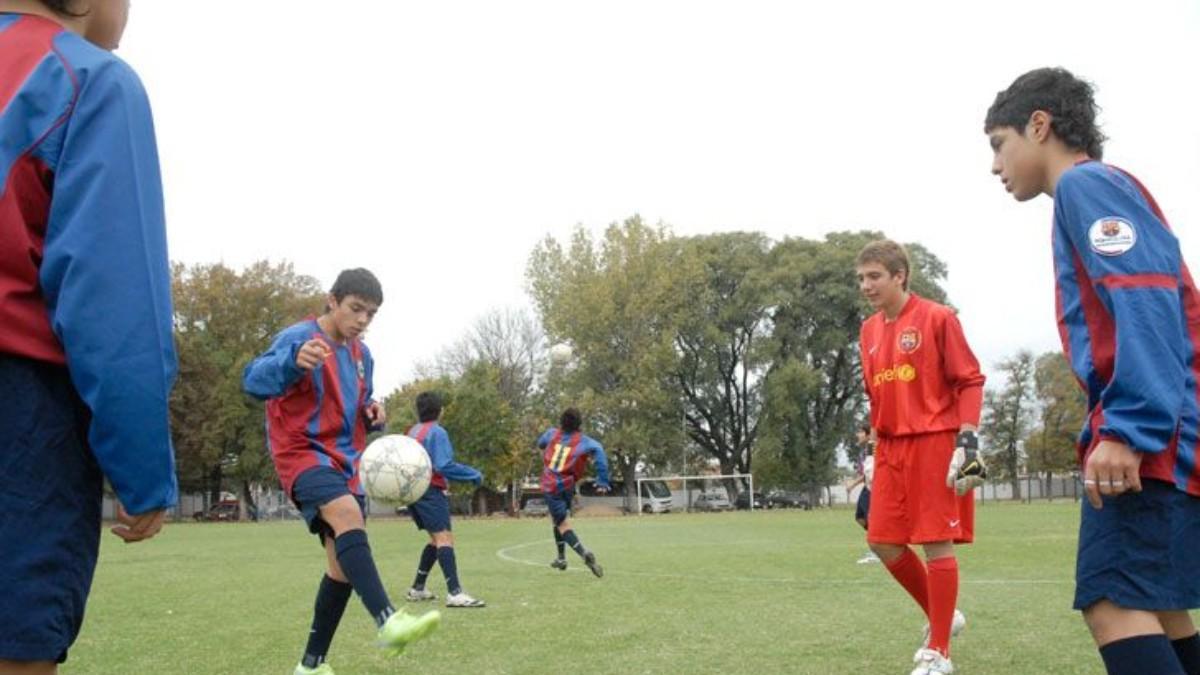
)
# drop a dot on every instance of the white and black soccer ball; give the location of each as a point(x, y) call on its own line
point(395, 470)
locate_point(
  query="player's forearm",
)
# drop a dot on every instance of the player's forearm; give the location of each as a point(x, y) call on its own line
point(270, 375)
point(460, 473)
point(131, 440)
point(1144, 398)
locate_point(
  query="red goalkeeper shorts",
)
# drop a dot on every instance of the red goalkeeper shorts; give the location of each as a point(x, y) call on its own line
point(910, 503)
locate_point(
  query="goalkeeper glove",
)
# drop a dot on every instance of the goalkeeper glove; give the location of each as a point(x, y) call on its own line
point(967, 469)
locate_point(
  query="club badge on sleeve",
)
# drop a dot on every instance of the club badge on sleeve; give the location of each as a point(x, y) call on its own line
point(1112, 236)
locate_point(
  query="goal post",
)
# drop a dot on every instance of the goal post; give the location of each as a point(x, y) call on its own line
point(700, 492)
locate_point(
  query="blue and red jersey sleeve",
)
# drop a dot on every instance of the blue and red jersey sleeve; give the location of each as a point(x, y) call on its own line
point(592, 447)
point(104, 274)
point(274, 371)
point(441, 454)
point(1119, 273)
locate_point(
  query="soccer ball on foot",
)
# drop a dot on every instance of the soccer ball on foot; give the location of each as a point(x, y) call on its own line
point(395, 470)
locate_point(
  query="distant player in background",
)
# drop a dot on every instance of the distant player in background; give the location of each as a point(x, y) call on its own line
point(87, 358)
point(566, 453)
point(926, 396)
point(1129, 318)
point(864, 466)
point(316, 379)
point(432, 511)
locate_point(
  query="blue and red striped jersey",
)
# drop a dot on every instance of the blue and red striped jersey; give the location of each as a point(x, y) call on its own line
point(566, 457)
point(84, 276)
point(1129, 318)
point(436, 441)
point(318, 417)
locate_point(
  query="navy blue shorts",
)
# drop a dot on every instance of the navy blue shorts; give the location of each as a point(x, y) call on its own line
point(317, 487)
point(1140, 550)
point(864, 505)
point(432, 511)
point(50, 491)
point(559, 504)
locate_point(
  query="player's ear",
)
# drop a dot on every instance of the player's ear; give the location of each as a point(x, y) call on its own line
point(1038, 128)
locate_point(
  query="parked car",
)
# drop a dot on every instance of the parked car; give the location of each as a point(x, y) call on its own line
point(222, 511)
point(786, 499)
point(743, 501)
point(711, 501)
point(536, 506)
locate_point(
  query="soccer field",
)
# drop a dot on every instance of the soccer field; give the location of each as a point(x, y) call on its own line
point(768, 592)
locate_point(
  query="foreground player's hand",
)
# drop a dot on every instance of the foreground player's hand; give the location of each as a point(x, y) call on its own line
point(311, 354)
point(1111, 469)
point(140, 527)
point(376, 416)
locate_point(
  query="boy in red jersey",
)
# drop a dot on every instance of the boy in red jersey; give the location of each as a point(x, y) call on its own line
point(926, 393)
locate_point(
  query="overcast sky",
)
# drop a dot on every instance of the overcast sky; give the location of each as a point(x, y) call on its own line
point(436, 143)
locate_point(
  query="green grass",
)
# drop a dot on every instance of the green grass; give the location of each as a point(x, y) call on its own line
point(764, 593)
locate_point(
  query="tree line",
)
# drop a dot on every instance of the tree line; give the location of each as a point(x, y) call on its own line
point(726, 349)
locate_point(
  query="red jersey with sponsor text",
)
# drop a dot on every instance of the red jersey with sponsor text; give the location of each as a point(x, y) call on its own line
point(919, 372)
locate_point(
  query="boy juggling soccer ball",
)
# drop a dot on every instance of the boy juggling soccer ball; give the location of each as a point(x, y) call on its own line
point(316, 379)
point(566, 452)
point(432, 511)
point(1129, 318)
point(926, 394)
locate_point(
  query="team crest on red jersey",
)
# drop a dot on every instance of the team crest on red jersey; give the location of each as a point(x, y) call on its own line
point(362, 370)
point(909, 340)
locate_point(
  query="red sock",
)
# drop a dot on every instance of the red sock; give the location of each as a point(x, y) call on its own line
point(943, 597)
point(910, 572)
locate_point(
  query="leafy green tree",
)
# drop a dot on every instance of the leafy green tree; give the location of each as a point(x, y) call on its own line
point(223, 318)
point(721, 358)
point(1007, 416)
point(1061, 411)
point(616, 302)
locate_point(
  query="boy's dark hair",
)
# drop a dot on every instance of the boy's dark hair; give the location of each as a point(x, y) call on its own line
point(571, 421)
point(358, 282)
point(62, 7)
point(888, 253)
point(865, 428)
point(429, 406)
point(1069, 100)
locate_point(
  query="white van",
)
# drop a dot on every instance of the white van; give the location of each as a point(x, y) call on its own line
point(656, 496)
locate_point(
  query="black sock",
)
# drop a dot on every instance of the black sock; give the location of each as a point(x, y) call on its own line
point(573, 542)
point(445, 558)
point(354, 556)
point(428, 557)
point(1187, 650)
point(1140, 655)
point(327, 613)
point(558, 543)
